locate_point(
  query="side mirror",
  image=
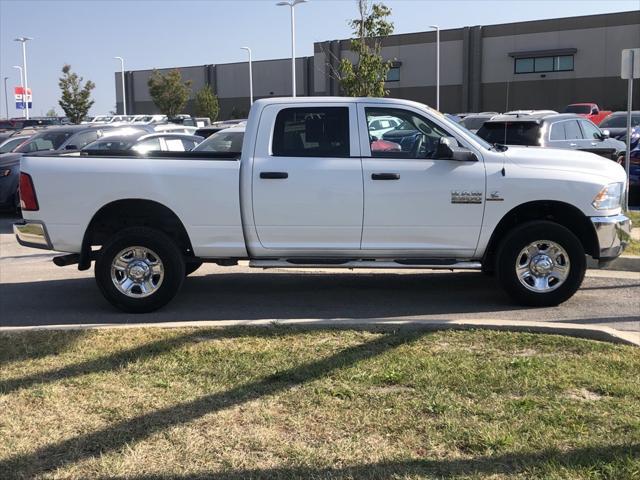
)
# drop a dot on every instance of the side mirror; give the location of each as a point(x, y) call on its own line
point(605, 134)
point(447, 151)
point(594, 111)
point(71, 147)
point(444, 149)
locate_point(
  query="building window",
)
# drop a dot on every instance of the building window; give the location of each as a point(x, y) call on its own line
point(393, 75)
point(558, 63)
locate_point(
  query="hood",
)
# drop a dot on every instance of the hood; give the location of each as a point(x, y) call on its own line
point(566, 161)
point(10, 159)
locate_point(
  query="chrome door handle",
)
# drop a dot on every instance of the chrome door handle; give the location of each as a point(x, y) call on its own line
point(573, 144)
point(594, 143)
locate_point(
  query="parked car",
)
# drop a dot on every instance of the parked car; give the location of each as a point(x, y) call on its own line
point(555, 130)
point(9, 144)
point(616, 123)
point(473, 122)
point(145, 142)
point(380, 126)
point(175, 128)
point(307, 191)
point(634, 177)
point(529, 112)
point(20, 123)
point(217, 126)
point(149, 119)
point(228, 140)
point(590, 111)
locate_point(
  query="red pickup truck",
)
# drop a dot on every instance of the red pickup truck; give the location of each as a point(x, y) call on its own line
point(588, 110)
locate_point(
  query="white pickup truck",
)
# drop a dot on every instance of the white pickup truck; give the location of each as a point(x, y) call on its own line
point(313, 186)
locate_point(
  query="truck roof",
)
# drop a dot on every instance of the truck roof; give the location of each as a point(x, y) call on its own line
point(345, 100)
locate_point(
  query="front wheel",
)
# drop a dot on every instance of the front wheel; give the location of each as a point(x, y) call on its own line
point(139, 270)
point(541, 264)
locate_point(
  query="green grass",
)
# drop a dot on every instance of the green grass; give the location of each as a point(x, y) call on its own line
point(634, 246)
point(311, 404)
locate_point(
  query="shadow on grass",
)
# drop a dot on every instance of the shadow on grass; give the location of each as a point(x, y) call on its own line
point(17, 347)
point(591, 458)
point(130, 431)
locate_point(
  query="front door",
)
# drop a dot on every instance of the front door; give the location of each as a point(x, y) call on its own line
point(417, 204)
point(307, 184)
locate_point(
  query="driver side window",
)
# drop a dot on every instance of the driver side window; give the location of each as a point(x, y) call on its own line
point(398, 133)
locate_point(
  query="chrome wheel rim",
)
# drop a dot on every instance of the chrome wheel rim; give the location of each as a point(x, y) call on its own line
point(137, 272)
point(542, 266)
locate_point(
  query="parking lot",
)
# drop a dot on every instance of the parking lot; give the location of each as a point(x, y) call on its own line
point(36, 292)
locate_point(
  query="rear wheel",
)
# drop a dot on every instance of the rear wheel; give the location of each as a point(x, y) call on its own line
point(139, 270)
point(541, 264)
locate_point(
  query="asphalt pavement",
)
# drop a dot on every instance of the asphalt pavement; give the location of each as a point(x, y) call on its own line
point(33, 291)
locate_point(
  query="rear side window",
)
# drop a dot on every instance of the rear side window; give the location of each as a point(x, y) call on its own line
point(572, 130)
point(511, 133)
point(312, 132)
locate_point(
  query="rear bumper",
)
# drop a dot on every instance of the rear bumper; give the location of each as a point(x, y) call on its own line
point(613, 235)
point(32, 234)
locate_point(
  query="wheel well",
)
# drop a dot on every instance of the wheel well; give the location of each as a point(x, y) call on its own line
point(122, 214)
point(558, 212)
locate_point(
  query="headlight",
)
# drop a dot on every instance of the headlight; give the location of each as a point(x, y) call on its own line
point(5, 173)
point(609, 197)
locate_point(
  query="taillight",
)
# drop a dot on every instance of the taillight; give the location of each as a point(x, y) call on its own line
point(28, 199)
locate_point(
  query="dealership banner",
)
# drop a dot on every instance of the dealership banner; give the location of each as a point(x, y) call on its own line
point(20, 97)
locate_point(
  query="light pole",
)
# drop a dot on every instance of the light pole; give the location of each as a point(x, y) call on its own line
point(24, 41)
point(250, 75)
point(6, 98)
point(292, 4)
point(437, 28)
point(124, 94)
point(24, 109)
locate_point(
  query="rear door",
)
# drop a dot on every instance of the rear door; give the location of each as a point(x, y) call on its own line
point(307, 179)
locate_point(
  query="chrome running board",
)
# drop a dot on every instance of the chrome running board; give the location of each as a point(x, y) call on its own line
point(429, 264)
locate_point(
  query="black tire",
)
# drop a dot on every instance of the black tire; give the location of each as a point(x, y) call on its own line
point(191, 266)
point(168, 253)
point(522, 236)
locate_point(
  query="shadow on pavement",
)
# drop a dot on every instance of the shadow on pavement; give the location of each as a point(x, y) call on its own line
point(251, 296)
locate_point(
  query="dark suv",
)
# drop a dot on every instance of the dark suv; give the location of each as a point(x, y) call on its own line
point(560, 130)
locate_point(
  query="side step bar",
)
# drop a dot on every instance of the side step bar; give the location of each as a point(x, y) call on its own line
point(430, 264)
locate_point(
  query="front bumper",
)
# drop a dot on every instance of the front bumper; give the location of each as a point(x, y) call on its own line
point(32, 234)
point(613, 234)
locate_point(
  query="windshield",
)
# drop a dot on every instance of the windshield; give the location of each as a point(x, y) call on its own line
point(583, 109)
point(44, 141)
point(105, 144)
point(619, 121)
point(10, 144)
point(511, 133)
point(222, 141)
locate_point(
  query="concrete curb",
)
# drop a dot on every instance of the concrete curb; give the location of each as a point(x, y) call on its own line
point(591, 332)
point(626, 263)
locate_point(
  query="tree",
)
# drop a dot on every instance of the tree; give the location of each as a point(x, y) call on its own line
point(207, 103)
point(52, 112)
point(169, 92)
point(76, 98)
point(366, 78)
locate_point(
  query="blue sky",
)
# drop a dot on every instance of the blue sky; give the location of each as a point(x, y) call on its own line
point(166, 33)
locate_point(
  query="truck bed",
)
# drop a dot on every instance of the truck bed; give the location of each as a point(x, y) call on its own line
point(200, 188)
